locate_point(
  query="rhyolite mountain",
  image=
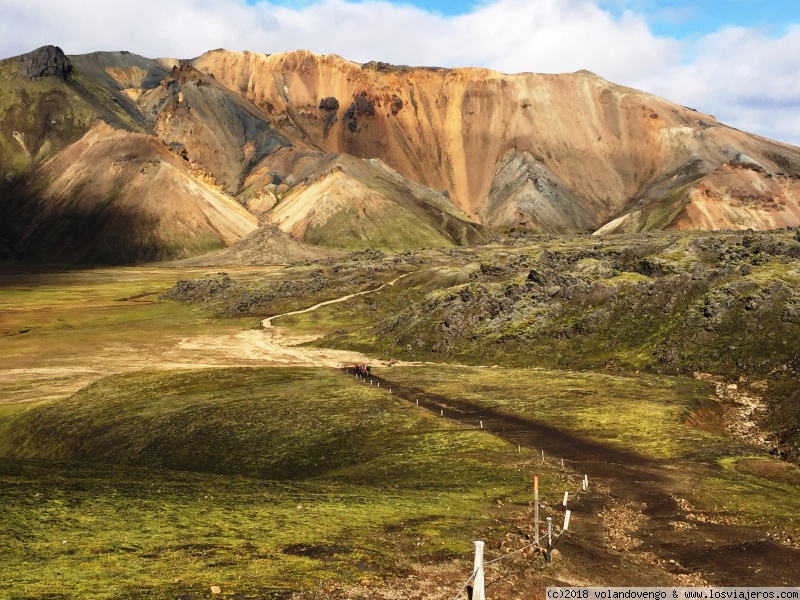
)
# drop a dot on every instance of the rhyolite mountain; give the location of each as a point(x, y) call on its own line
point(113, 157)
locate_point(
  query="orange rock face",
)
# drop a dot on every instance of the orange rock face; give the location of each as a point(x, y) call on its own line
point(351, 156)
point(584, 150)
point(740, 198)
point(142, 199)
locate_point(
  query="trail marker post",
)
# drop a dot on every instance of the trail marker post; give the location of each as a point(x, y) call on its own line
point(566, 497)
point(481, 424)
point(536, 507)
point(478, 590)
point(566, 520)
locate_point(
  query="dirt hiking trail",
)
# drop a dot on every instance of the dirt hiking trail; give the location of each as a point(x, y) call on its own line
point(272, 346)
point(52, 379)
point(282, 346)
point(635, 521)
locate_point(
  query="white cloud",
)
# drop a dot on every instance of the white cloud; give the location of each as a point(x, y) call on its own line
point(742, 76)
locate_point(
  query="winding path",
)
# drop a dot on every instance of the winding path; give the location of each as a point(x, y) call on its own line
point(267, 323)
point(273, 346)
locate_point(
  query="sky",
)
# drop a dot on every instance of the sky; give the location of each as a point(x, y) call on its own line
point(738, 60)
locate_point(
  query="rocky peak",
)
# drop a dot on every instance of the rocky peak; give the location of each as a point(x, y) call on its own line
point(47, 61)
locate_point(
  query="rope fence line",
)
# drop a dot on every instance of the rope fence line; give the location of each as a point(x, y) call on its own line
point(494, 560)
point(486, 564)
point(550, 539)
point(466, 583)
point(478, 574)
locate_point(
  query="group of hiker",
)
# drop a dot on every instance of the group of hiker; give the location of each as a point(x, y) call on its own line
point(362, 369)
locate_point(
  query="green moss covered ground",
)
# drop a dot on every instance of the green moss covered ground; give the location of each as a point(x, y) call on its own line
point(262, 481)
point(725, 303)
point(251, 479)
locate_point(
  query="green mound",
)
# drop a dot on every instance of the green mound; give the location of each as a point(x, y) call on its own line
point(268, 423)
point(395, 229)
point(262, 481)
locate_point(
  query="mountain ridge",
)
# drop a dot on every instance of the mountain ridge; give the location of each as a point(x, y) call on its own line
point(474, 173)
point(456, 153)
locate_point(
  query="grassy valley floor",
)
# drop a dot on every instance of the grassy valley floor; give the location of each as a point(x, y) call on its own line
point(155, 448)
point(251, 479)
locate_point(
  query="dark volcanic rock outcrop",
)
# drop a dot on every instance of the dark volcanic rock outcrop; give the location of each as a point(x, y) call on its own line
point(47, 61)
point(329, 106)
point(361, 106)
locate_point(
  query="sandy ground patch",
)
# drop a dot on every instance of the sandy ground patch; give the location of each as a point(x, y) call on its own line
point(266, 346)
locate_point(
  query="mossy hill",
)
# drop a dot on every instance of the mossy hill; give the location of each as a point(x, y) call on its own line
point(267, 423)
point(726, 304)
point(163, 483)
point(43, 111)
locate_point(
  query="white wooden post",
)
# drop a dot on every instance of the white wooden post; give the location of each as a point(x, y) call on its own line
point(536, 507)
point(478, 589)
point(441, 413)
point(549, 532)
point(566, 520)
point(566, 497)
point(481, 424)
